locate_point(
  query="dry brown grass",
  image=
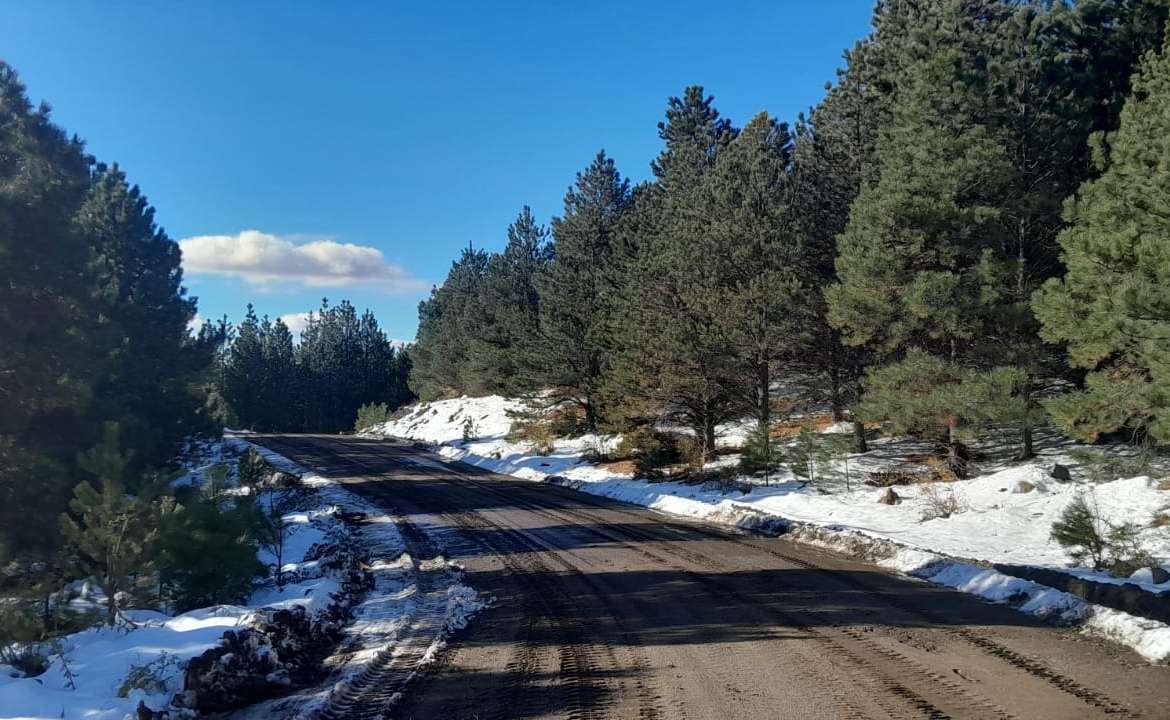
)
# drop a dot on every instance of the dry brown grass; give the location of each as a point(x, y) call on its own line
point(903, 475)
point(1164, 484)
point(1161, 519)
point(566, 420)
point(941, 502)
point(939, 470)
point(621, 467)
point(539, 434)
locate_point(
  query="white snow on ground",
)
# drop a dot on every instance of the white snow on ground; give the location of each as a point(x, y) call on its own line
point(998, 522)
point(410, 612)
point(90, 683)
point(101, 658)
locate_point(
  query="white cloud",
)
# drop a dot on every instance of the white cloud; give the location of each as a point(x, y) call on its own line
point(195, 323)
point(262, 259)
point(297, 322)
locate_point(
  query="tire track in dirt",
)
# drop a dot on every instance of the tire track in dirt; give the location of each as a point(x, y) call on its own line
point(889, 682)
point(583, 663)
point(1031, 666)
point(889, 668)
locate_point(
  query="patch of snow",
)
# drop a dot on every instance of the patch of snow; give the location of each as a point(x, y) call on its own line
point(100, 659)
point(402, 616)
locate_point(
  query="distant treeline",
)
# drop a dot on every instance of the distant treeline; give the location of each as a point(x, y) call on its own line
point(342, 361)
point(976, 209)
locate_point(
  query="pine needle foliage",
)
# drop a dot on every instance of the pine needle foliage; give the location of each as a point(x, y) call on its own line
point(110, 535)
point(1112, 308)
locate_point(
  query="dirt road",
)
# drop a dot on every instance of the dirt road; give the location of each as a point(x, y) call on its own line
point(604, 610)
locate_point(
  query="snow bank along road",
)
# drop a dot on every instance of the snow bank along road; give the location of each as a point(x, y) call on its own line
point(605, 610)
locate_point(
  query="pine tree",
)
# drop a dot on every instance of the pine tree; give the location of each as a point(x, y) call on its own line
point(763, 301)
point(1111, 307)
point(509, 312)
point(208, 550)
point(834, 150)
point(376, 361)
point(674, 358)
point(281, 390)
point(1101, 43)
point(110, 534)
point(916, 264)
point(244, 375)
point(574, 345)
point(1034, 103)
point(217, 338)
point(445, 328)
point(148, 361)
point(761, 452)
point(45, 325)
point(1081, 528)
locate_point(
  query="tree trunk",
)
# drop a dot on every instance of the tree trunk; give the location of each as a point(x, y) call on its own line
point(590, 415)
point(956, 460)
point(859, 444)
point(1029, 451)
point(111, 607)
point(708, 438)
point(835, 403)
point(763, 399)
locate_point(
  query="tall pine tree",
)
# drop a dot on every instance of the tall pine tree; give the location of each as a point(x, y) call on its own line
point(45, 326)
point(149, 363)
point(573, 351)
point(509, 312)
point(763, 299)
point(1112, 307)
point(916, 262)
point(675, 358)
point(446, 325)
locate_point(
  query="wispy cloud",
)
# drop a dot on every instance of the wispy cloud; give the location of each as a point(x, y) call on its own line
point(264, 259)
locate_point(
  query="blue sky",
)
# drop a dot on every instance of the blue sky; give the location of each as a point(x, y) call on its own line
point(341, 130)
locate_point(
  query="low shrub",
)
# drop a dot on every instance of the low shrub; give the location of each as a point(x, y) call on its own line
point(1086, 535)
point(566, 421)
point(20, 628)
point(1081, 531)
point(151, 678)
point(761, 451)
point(207, 551)
point(1101, 467)
point(650, 450)
point(898, 476)
point(940, 470)
point(941, 502)
point(253, 470)
point(534, 432)
point(470, 429)
point(371, 415)
point(690, 450)
point(1126, 554)
point(403, 411)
